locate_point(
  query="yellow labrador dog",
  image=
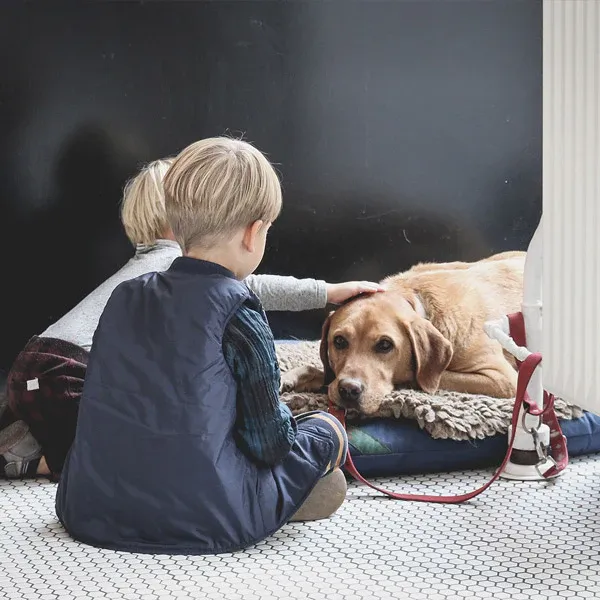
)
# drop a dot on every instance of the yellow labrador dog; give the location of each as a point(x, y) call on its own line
point(424, 331)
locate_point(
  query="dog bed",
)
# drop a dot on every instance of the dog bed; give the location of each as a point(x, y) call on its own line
point(415, 432)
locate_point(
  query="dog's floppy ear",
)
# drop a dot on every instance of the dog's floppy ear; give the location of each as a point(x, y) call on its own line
point(432, 351)
point(327, 370)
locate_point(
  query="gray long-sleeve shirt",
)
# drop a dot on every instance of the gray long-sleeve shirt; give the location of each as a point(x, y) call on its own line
point(275, 292)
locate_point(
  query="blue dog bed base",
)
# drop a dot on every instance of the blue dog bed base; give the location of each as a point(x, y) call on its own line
point(388, 447)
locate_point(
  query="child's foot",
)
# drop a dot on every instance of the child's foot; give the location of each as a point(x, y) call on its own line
point(327, 496)
point(20, 453)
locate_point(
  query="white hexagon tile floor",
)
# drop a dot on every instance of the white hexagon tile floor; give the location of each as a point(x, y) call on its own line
point(518, 541)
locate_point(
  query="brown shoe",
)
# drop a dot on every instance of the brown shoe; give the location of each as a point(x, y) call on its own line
point(326, 497)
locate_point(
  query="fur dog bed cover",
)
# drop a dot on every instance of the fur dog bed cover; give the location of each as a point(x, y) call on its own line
point(445, 415)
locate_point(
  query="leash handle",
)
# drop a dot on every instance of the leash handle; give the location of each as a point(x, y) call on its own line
point(526, 370)
point(558, 442)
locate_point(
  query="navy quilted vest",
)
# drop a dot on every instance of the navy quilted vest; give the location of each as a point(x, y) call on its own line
point(154, 466)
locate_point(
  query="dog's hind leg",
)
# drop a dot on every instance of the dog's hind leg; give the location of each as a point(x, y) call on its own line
point(496, 381)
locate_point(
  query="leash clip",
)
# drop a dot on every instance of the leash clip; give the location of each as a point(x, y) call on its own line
point(550, 459)
point(542, 452)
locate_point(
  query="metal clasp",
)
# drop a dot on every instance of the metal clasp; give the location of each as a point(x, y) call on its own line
point(541, 450)
point(524, 423)
point(548, 458)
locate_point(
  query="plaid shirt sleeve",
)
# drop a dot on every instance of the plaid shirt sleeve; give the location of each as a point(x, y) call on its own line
point(265, 428)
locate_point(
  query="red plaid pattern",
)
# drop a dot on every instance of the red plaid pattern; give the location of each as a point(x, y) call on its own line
point(51, 409)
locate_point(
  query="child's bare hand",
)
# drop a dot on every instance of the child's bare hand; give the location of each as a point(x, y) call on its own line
point(340, 292)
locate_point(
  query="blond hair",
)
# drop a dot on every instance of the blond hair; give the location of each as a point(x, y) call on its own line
point(216, 186)
point(143, 207)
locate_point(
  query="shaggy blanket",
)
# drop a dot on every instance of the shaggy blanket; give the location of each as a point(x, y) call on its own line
point(445, 415)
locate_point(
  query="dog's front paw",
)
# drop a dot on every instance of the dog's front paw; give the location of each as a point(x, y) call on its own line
point(302, 379)
point(288, 381)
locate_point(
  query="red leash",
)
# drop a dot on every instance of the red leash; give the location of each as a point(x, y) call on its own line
point(525, 372)
point(558, 441)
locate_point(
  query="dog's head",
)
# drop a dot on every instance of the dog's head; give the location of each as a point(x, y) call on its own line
point(376, 343)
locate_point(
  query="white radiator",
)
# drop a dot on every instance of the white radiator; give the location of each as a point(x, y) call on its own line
point(571, 201)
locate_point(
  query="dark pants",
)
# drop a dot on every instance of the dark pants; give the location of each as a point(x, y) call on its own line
point(317, 422)
point(44, 387)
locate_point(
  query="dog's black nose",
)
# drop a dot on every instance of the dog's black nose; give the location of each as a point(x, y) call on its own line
point(350, 390)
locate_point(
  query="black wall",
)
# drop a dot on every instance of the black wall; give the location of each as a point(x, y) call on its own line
point(403, 131)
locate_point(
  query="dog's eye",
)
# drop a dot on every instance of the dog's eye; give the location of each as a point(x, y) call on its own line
point(341, 343)
point(384, 345)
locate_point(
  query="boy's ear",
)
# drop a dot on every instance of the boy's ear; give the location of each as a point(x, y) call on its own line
point(250, 235)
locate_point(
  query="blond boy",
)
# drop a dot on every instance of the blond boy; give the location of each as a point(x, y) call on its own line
point(182, 444)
